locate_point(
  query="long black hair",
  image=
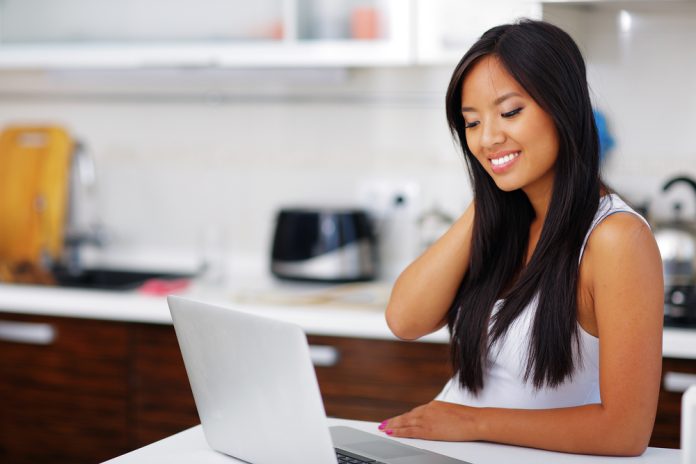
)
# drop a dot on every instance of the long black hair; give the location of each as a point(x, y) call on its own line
point(547, 63)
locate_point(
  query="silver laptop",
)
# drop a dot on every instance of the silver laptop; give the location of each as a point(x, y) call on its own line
point(257, 394)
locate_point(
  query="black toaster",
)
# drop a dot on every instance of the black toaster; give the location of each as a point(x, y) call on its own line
point(323, 245)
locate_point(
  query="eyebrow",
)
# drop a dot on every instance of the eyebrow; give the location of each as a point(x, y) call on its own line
point(497, 101)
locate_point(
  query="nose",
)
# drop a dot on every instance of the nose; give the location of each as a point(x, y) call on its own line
point(491, 134)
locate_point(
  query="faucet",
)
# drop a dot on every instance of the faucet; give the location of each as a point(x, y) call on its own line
point(82, 185)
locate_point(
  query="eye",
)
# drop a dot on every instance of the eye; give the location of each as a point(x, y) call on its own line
point(512, 113)
point(469, 125)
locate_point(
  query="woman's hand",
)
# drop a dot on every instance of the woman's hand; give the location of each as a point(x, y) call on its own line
point(423, 293)
point(436, 420)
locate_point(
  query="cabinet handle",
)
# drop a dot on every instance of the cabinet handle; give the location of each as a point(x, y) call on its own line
point(30, 333)
point(324, 355)
point(678, 382)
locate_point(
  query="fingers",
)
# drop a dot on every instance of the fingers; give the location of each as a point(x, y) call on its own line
point(405, 425)
point(405, 432)
point(400, 428)
point(434, 421)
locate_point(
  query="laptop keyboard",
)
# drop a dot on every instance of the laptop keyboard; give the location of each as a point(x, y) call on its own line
point(346, 457)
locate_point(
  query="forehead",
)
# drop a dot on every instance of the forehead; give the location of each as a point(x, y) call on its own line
point(487, 80)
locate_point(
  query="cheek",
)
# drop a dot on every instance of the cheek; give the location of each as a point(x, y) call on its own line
point(544, 140)
point(549, 146)
point(474, 146)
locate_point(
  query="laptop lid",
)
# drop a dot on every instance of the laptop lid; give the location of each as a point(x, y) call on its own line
point(253, 383)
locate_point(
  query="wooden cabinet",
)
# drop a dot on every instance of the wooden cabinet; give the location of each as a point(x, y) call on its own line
point(83, 391)
point(377, 379)
point(63, 390)
point(677, 374)
point(162, 402)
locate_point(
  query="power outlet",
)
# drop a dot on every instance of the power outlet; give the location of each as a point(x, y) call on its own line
point(381, 196)
point(394, 205)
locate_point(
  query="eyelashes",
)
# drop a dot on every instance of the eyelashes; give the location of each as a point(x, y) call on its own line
point(469, 125)
point(509, 114)
point(512, 113)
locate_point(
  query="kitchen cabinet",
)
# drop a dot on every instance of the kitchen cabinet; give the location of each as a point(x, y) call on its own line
point(91, 390)
point(132, 34)
point(376, 379)
point(82, 391)
point(677, 375)
point(161, 398)
point(204, 33)
point(64, 388)
point(447, 28)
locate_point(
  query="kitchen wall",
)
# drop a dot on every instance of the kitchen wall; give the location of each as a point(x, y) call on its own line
point(173, 163)
point(179, 153)
point(640, 56)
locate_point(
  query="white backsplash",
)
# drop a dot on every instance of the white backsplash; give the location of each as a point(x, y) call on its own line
point(641, 76)
point(173, 164)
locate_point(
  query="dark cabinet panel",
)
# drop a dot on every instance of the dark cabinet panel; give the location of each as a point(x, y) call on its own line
point(376, 379)
point(65, 399)
point(84, 391)
point(666, 432)
point(162, 398)
point(371, 380)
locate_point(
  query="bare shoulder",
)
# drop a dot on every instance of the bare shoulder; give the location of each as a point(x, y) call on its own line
point(623, 260)
point(621, 233)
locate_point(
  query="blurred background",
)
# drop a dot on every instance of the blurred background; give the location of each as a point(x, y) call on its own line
point(216, 113)
point(179, 131)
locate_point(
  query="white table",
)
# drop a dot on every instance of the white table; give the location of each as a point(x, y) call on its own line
point(190, 446)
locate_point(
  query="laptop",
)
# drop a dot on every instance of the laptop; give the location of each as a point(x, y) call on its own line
point(257, 394)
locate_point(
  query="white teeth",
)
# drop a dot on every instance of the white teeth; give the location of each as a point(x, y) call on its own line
point(504, 159)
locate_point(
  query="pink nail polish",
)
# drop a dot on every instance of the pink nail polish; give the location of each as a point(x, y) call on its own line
point(382, 425)
point(389, 432)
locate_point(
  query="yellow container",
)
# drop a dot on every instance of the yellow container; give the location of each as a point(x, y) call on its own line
point(34, 177)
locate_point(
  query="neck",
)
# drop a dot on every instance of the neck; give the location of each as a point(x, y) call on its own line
point(539, 195)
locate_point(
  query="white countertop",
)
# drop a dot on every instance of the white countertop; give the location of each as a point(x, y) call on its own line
point(355, 310)
point(190, 446)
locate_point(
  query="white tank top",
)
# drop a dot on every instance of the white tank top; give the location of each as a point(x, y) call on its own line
point(504, 384)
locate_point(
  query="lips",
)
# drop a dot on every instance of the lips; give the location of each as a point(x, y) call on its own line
point(502, 161)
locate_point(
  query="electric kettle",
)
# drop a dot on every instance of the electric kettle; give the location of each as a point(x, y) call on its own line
point(676, 240)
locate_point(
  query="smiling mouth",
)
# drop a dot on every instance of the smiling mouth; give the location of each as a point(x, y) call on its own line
point(503, 160)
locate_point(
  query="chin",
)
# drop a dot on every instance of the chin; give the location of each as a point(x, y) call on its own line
point(507, 186)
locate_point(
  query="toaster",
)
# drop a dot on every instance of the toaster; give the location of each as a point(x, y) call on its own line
point(323, 245)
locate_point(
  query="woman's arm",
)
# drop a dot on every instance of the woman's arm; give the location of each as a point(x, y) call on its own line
point(627, 290)
point(424, 291)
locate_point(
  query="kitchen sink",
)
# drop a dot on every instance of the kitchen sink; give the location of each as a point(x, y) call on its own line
point(111, 279)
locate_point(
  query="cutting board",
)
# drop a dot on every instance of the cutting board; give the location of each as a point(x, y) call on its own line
point(34, 176)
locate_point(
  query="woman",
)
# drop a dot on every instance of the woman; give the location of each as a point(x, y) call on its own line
point(551, 286)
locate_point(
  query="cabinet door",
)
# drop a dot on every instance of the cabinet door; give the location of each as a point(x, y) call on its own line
point(376, 379)
point(447, 28)
point(677, 374)
point(63, 390)
point(163, 403)
point(203, 33)
point(358, 378)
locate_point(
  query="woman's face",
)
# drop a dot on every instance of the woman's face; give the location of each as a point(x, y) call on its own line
point(507, 131)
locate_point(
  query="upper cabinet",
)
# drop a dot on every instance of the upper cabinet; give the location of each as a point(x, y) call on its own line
point(445, 29)
point(203, 33)
point(237, 33)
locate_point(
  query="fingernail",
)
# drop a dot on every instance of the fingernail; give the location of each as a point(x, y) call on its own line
point(382, 425)
point(389, 432)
